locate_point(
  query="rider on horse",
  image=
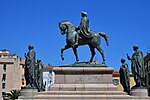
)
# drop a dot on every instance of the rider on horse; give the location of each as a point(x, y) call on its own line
point(92, 39)
point(83, 28)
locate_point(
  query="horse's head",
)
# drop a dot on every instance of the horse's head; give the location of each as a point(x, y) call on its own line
point(63, 27)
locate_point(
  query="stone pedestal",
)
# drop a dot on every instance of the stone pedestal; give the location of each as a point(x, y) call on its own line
point(27, 92)
point(84, 82)
point(82, 78)
point(139, 92)
point(83, 75)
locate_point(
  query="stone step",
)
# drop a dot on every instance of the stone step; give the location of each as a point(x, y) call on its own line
point(79, 97)
point(83, 87)
point(83, 97)
point(82, 93)
point(101, 98)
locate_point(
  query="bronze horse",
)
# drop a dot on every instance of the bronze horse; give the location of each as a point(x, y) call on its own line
point(70, 30)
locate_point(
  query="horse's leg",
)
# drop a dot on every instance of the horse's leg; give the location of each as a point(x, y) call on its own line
point(92, 52)
point(75, 53)
point(102, 53)
point(62, 50)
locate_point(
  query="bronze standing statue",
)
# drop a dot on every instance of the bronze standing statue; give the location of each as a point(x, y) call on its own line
point(82, 36)
point(125, 76)
point(30, 66)
point(137, 66)
point(39, 75)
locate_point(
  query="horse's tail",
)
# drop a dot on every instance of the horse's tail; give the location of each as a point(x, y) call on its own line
point(105, 37)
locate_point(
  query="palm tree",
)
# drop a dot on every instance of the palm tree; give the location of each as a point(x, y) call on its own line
point(15, 94)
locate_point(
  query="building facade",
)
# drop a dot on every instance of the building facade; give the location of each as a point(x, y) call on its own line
point(147, 67)
point(48, 76)
point(10, 72)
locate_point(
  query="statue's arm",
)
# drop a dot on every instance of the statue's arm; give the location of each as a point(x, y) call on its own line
point(25, 55)
point(129, 58)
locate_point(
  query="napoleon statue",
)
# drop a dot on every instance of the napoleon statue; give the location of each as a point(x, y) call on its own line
point(82, 35)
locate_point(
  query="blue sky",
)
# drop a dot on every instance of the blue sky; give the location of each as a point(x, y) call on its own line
point(24, 22)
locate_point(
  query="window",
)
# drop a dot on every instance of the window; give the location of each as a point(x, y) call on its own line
point(4, 77)
point(3, 85)
point(23, 81)
point(148, 65)
point(4, 67)
point(149, 79)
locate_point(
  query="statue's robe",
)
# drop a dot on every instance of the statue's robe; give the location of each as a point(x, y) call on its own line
point(39, 76)
point(30, 67)
point(138, 68)
point(125, 77)
point(84, 27)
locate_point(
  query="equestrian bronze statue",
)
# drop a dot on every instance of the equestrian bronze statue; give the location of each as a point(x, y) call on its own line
point(72, 33)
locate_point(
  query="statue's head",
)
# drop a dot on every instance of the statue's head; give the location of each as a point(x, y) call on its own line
point(135, 47)
point(30, 47)
point(38, 60)
point(83, 14)
point(123, 60)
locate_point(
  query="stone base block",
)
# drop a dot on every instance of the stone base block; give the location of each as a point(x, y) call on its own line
point(28, 92)
point(83, 75)
point(83, 87)
point(139, 92)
